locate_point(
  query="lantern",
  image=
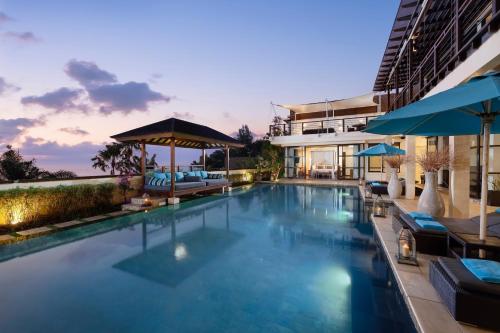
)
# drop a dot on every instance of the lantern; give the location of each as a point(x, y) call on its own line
point(146, 200)
point(379, 209)
point(407, 248)
point(368, 192)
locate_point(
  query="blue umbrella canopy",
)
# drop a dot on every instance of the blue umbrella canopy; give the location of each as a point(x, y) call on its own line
point(470, 108)
point(457, 111)
point(382, 149)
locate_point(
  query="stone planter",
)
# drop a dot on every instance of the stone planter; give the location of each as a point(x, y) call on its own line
point(430, 200)
point(394, 187)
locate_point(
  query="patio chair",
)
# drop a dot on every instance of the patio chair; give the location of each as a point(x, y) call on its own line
point(468, 299)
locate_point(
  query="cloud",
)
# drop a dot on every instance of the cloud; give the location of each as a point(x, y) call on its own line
point(5, 18)
point(27, 36)
point(59, 100)
point(5, 86)
point(74, 131)
point(125, 97)
point(52, 156)
point(183, 115)
point(88, 74)
point(11, 129)
point(102, 92)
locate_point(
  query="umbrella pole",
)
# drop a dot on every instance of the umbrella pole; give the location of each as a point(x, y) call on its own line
point(484, 179)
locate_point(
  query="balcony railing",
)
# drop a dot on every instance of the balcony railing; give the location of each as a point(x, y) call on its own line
point(472, 22)
point(344, 125)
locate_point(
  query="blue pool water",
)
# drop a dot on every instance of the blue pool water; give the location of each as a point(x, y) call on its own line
point(272, 258)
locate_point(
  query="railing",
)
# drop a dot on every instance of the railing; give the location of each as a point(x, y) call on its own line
point(344, 125)
point(471, 22)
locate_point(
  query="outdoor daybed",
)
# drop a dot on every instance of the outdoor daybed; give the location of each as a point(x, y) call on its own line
point(185, 182)
point(469, 299)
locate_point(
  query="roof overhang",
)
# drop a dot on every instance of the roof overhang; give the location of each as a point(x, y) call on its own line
point(348, 103)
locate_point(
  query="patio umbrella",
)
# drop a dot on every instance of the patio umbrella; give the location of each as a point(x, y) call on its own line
point(470, 108)
point(382, 149)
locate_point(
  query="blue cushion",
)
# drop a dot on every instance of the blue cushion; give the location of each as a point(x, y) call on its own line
point(430, 224)
point(160, 175)
point(154, 181)
point(420, 216)
point(497, 210)
point(204, 174)
point(168, 176)
point(376, 184)
point(190, 173)
point(484, 270)
point(197, 173)
point(179, 176)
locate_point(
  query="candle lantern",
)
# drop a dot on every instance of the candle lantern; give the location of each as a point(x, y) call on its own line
point(379, 208)
point(146, 200)
point(368, 191)
point(407, 248)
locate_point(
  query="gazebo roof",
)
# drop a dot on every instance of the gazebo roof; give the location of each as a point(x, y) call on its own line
point(186, 134)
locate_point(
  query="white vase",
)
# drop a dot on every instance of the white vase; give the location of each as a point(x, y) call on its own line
point(394, 187)
point(430, 200)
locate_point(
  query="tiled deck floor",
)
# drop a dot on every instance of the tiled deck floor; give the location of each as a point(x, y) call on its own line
point(429, 314)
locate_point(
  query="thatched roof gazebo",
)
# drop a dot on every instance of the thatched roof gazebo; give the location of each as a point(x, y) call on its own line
point(178, 133)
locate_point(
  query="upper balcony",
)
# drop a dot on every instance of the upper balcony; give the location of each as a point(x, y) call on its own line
point(320, 126)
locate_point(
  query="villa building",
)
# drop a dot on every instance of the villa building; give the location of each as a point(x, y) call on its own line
point(432, 46)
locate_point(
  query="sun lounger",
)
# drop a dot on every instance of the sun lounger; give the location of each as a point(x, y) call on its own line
point(468, 299)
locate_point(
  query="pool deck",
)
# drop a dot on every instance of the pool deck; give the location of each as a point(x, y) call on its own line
point(429, 314)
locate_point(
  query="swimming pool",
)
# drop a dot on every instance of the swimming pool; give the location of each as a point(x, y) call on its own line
point(270, 258)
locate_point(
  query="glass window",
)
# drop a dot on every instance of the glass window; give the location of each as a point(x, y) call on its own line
point(375, 163)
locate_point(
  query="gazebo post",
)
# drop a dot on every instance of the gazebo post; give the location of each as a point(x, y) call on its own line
point(171, 199)
point(227, 162)
point(203, 158)
point(143, 159)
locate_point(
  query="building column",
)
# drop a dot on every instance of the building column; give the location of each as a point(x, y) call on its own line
point(172, 169)
point(459, 191)
point(440, 147)
point(204, 159)
point(143, 159)
point(410, 166)
point(286, 162)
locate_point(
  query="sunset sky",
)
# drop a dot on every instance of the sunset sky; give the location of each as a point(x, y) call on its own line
point(72, 73)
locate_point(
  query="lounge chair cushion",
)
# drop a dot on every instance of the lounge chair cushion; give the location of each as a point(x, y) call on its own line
point(190, 179)
point(420, 215)
point(198, 174)
point(204, 174)
point(430, 224)
point(464, 279)
point(484, 270)
point(190, 173)
point(179, 176)
point(188, 185)
point(410, 222)
point(497, 210)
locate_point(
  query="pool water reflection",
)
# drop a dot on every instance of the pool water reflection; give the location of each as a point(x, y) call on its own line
point(271, 258)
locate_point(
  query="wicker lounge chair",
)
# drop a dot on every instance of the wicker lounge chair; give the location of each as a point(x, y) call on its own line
point(468, 299)
point(428, 241)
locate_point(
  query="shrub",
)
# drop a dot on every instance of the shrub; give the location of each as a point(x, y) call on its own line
point(22, 208)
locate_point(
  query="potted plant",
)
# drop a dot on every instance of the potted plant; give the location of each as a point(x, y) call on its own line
point(260, 167)
point(124, 185)
point(394, 187)
point(494, 193)
point(430, 200)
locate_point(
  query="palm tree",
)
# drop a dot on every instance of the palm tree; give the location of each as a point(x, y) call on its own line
point(108, 157)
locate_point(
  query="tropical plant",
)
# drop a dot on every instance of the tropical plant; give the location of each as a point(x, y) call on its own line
point(21, 208)
point(274, 157)
point(395, 161)
point(108, 157)
point(124, 185)
point(123, 158)
point(432, 161)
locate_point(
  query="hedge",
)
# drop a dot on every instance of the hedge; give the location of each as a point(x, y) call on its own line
point(22, 208)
